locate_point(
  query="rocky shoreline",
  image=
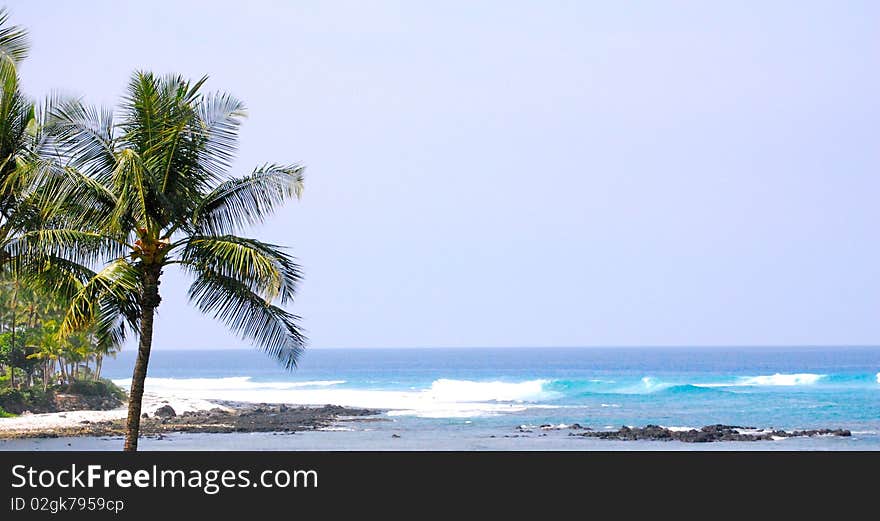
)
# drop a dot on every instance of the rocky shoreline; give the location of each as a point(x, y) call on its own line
point(230, 417)
point(707, 434)
point(222, 417)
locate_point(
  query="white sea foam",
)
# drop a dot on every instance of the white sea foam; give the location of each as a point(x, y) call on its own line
point(878, 378)
point(469, 391)
point(675, 428)
point(753, 432)
point(778, 379)
point(647, 385)
point(783, 379)
point(557, 427)
point(445, 398)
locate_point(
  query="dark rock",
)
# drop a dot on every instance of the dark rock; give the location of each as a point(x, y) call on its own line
point(166, 411)
point(395, 435)
point(707, 434)
point(145, 416)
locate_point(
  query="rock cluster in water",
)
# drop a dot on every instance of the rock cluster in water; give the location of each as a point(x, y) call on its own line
point(709, 433)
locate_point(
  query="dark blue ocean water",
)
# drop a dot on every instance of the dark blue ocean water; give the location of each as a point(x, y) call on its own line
point(499, 389)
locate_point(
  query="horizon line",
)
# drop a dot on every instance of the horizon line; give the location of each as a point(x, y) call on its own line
point(595, 346)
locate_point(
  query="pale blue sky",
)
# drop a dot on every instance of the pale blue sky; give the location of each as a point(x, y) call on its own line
point(533, 173)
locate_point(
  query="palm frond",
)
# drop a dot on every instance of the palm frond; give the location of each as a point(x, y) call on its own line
point(81, 247)
point(249, 200)
point(14, 41)
point(16, 115)
point(162, 124)
point(49, 185)
point(53, 275)
point(108, 295)
point(243, 311)
point(82, 135)
point(220, 116)
point(130, 185)
point(264, 268)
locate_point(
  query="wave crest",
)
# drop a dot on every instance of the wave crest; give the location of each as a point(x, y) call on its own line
point(780, 379)
point(471, 391)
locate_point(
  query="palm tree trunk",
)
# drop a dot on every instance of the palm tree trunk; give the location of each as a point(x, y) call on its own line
point(149, 302)
point(12, 345)
point(99, 361)
point(12, 351)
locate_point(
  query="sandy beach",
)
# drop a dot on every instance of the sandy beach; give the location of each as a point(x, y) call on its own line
point(40, 424)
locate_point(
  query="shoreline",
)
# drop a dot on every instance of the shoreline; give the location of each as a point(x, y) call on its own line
point(165, 415)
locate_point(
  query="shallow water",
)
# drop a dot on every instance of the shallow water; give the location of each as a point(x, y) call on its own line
point(421, 439)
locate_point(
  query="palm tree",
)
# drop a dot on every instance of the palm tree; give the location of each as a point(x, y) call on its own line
point(152, 191)
point(102, 347)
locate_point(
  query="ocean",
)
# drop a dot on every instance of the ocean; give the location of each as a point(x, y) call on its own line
point(490, 398)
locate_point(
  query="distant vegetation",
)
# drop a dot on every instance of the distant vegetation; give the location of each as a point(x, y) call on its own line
point(37, 364)
point(32, 353)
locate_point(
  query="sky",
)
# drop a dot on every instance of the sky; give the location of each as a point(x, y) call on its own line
point(553, 173)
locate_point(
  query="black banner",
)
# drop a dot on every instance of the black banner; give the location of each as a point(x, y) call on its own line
point(102, 485)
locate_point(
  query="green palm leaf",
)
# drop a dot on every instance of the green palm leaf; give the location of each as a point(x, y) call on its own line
point(264, 268)
point(232, 302)
point(14, 41)
point(106, 298)
point(78, 246)
point(246, 201)
point(83, 137)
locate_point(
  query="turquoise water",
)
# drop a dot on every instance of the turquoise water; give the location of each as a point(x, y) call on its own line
point(490, 392)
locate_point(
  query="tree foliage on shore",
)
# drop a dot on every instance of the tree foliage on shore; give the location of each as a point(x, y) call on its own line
point(32, 351)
